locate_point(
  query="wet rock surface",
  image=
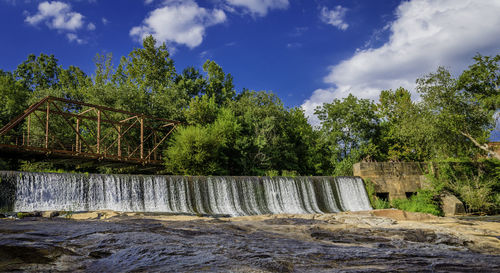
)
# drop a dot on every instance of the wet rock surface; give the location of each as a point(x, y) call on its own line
point(284, 243)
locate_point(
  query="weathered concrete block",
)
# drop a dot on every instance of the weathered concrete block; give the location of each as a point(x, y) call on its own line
point(398, 179)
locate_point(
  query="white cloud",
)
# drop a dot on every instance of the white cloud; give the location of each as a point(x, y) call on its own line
point(104, 21)
point(91, 26)
point(74, 38)
point(334, 17)
point(56, 15)
point(298, 31)
point(425, 35)
point(179, 22)
point(294, 45)
point(259, 7)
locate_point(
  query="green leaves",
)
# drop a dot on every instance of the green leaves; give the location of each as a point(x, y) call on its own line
point(219, 85)
point(348, 129)
point(482, 80)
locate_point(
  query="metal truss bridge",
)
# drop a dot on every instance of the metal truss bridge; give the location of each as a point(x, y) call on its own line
point(81, 132)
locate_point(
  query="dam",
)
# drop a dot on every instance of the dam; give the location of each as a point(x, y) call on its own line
point(211, 195)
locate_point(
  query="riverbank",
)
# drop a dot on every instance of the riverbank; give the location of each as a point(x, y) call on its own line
point(369, 241)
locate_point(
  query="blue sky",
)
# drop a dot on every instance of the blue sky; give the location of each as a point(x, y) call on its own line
point(306, 51)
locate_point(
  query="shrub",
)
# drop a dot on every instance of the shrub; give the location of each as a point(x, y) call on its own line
point(287, 173)
point(272, 173)
point(476, 183)
point(424, 201)
point(475, 192)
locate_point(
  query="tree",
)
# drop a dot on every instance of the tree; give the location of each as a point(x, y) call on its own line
point(191, 81)
point(261, 145)
point(219, 84)
point(458, 121)
point(400, 118)
point(482, 80)
point(300, 151)
point(13, 96)
point(192, 152)
point(205, 149)
point(202, 110)
point(40, 72)
point(349, 123)
point(150, 67)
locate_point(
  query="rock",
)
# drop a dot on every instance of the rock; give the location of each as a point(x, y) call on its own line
point(50, 214)
point(400, 215)
point(276, 243)
point(100, 214)
point(450, 204)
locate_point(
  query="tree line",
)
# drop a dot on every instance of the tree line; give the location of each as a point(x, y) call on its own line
point(226, 132)
point(252, 133)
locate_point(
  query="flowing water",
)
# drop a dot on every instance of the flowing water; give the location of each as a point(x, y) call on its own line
point(233, 196)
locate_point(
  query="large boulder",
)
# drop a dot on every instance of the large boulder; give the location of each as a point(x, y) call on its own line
point(450, 204)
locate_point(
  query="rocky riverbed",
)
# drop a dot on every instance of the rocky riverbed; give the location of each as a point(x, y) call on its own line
point(372, 241)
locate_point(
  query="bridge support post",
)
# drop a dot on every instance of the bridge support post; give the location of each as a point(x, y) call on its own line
point(142, 137)
point(29, 130)
point(47, 125)
point(78, 135)
point(98, 131)
point(119, 141)
point(154, 145)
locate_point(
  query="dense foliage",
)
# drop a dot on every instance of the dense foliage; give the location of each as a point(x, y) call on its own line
point(227, 132)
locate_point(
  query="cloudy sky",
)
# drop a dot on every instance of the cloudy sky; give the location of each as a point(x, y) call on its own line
point(306, 51)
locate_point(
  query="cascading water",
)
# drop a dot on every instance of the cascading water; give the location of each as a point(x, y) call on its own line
point(187, 195)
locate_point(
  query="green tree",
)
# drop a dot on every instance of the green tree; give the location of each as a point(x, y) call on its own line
point(401, 118)
point(150, 67)
point(455, 122)
point(191, 81)
point(40, 72)
point(202, 110)
point(219, 84)
point(13, 97)
point(205, 149)
point(192, 152)
point(261, 145)
point(348, 125)
point(482, 80)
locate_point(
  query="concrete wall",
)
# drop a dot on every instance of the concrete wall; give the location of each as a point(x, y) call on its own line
point(7, 191)
point(395, 178)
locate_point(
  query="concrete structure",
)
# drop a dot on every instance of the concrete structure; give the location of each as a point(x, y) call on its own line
point(392, 179)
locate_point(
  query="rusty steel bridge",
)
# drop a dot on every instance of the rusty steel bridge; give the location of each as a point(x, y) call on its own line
point(69, 130)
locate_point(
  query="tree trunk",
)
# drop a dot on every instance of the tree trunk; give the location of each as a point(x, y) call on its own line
point(483, 147)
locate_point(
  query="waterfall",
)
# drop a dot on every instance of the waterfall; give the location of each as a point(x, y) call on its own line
point(216, 195)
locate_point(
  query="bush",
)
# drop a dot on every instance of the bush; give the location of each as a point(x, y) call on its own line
point(476, 183)
point(475, 192)
point(424, 201)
